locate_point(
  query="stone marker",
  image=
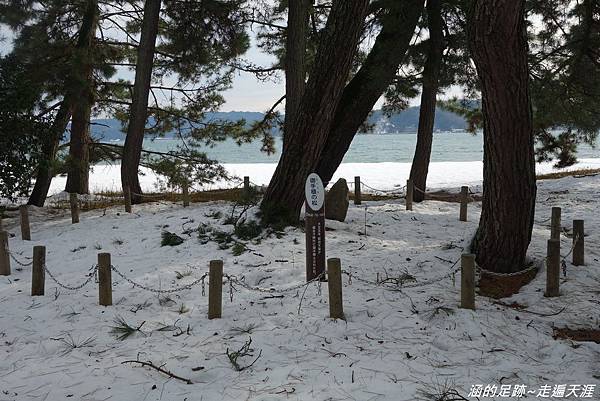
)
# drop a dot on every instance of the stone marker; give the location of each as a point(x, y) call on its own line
point(336, 201)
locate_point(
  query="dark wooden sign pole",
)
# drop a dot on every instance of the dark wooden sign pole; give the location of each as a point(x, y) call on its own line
point(315, 227)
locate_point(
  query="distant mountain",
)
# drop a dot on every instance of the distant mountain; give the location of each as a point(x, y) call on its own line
point(404, 122)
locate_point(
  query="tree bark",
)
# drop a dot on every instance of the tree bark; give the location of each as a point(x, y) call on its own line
point(431, 72)
point(369, 83)
point(83, 101)
point(338, 45)
point(79, 147)
point(50, 146)
point(138, 112)
point(295, 60)
point(499, 48)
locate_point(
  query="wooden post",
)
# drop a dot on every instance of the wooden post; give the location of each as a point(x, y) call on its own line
point(555, 224)
point(464, 202)
point(104, 279)
point(4, 254)
point(127, 196)
point(38, 273)
point(553, 268)
point(409, 194)
point(74, 208)
point(578, 243)
point(357, 192)
point(334, 282)
point(215, 289)
point(25, 231)
point(246, 186)
point(467, 281)
point(186, 194)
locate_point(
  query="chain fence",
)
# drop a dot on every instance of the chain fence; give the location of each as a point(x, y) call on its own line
point(159, 290)
point(92, 275)
point(443, 197)
point(394, 191)
point(21, 263)
point(399, 283)
point(233, 280)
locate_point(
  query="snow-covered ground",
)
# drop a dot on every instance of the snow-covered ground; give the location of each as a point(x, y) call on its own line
point(386, 176)
point(396, 344)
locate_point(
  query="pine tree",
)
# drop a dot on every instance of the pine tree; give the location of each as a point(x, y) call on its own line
point(377, 72)
point(333, 62)
point(430, 87)
point(498, 40)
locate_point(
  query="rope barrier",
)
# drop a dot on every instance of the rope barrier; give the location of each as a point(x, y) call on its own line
point(534, 266)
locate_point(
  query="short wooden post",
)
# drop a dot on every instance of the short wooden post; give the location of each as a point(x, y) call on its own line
point(334, 282)
point(74, 201)
point(215, 289)
point(186, 194)
point(464, 202)
point(467, 281)
point(104, 279)
point(552, 268)
point(4, 254)
point(578, 243)
point(127, 196)
point(38, 273)
point(555, 223)
point(25, 231)
point(357, 191)
point(246, 186)
point(409, 194)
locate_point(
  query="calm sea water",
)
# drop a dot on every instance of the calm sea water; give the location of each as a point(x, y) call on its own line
point(447, 147)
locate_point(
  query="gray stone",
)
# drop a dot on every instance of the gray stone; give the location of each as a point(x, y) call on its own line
point(336, 201)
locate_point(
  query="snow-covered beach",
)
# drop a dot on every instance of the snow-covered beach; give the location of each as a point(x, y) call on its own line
point(385, 176)
point(396, 344)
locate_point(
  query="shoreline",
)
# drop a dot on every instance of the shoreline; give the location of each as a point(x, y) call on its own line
point(382, 176)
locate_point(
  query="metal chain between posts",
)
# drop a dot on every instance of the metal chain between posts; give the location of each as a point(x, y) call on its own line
point(17, 261)
point(385, 191)
point(219, 191)
point(444, 197)
point(242, 283)
point(92, 275)
point(400, 283)
point(159, 291)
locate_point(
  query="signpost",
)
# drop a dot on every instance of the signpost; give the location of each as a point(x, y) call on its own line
point(315, 226)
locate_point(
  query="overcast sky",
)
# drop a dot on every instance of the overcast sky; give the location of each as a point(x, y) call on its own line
point(246, 94)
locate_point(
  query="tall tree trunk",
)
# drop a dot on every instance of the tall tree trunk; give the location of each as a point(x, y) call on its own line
point(79, 147)
point(369, 83)
point(83, 101)
point(50, 146)
point(337, 48)
point(61, 120)
point(138, 112)
point(499, 47)
point(431, 72)
point(295, 60)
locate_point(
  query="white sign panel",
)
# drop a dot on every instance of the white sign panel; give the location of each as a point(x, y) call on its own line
point(314, 191)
